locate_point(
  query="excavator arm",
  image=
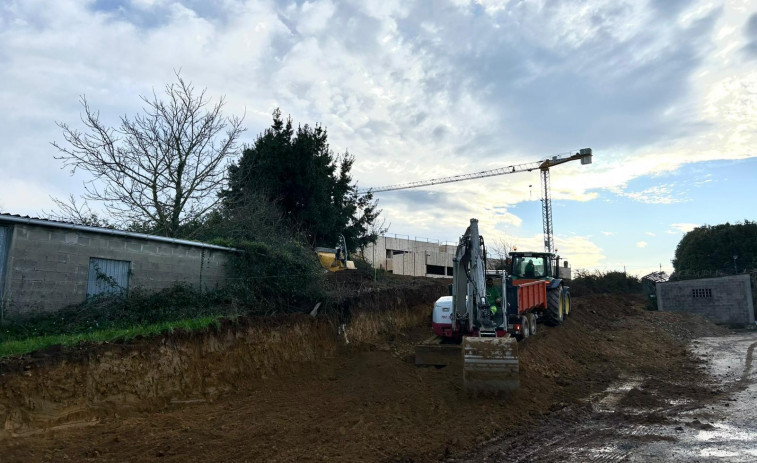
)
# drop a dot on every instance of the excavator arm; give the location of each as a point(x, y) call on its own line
point(469, 285)
point(490, 356)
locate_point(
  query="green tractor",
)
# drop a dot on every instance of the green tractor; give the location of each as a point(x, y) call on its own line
point(536, 284)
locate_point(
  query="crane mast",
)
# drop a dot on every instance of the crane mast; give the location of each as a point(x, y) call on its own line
point(546, 212)
point(584, 155)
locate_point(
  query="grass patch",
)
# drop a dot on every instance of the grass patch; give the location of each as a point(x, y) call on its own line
point(35, 343)
point(115, 318)
point(115, 312)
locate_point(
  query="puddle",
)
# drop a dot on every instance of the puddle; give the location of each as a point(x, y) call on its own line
point(607, 400)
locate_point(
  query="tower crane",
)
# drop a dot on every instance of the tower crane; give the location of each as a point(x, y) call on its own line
point(584, 155)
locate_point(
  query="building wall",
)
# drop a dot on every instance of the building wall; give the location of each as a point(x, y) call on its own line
point(410, 257)
point(47, 267)
point(726, 300)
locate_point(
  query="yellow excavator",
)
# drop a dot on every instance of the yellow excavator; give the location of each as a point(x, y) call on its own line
point(335, 259)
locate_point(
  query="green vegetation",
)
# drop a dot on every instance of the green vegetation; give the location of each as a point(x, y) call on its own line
point(139, 309)
point(313, 187)
point(604, 283)
point(275, 277)
point(28, 344)
point(716, 250)
point(288, 193)
point(106, 319)
point(364, 267)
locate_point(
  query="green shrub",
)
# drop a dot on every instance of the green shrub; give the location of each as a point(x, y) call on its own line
point(364, 267)
point(274, 277)
point(598, 282)
point(109, 312)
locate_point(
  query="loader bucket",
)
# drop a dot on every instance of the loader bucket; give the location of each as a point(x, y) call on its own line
point(490, 365)
point(329, 261)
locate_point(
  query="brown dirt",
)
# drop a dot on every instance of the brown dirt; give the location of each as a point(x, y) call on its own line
point(295, 392)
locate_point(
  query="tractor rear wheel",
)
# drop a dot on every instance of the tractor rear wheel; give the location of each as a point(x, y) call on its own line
point(555, 299)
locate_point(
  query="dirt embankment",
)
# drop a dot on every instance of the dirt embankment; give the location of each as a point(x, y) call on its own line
point(75, 385)
point(295, 392)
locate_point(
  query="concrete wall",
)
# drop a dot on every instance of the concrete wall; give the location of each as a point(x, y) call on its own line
point(409, 257)
point(47, 267)
point(726, 300)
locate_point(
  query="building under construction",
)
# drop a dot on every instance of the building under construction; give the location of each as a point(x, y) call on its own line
point(404, 256)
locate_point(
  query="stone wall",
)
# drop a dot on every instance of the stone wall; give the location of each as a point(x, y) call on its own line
point(725, 300)
point(47, 267)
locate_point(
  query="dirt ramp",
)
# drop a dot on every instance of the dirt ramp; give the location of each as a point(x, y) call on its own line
point(77, 386)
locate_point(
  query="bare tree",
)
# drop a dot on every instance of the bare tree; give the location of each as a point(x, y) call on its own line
point(163, 167)
point(74, 211)
point(498, 252)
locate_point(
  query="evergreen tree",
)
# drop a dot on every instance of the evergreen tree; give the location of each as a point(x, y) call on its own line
point(710, 250)
point(297, 170)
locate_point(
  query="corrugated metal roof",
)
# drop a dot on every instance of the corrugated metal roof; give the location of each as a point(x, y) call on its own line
point(25, 219)
point(656, 277)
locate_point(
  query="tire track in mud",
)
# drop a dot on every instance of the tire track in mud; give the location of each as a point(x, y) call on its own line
point(575, 444)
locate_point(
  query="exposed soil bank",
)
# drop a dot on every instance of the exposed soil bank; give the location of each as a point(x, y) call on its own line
point(58, 387)
point(322, 400)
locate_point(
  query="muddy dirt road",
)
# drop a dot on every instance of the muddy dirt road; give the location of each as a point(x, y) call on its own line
point(613, 375)
point(654, 419)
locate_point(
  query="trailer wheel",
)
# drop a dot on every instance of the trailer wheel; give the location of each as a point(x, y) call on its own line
point(566, 303)
point(531, 323)
point(525, 329)
point(555, 312)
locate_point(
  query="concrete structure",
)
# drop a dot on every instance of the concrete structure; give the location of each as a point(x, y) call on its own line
point(726, 300)
point(404, 256)
point(46, 265)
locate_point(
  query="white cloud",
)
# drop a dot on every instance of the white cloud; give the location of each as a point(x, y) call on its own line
point(660, 194)
point(607, 233)
point(641, 244)
point(315, 16)
point(684, 227)
point(650, 234)
point(579, 251)
point(413, 92)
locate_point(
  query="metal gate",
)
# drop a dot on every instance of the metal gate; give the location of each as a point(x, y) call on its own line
point(5, 241)
point(107, 276)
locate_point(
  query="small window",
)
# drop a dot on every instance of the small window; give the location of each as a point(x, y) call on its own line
point(107, 276)
point(701, 292)
point(434, 270)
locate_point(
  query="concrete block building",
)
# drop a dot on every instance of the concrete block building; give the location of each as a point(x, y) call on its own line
point(725, 300)
point(405, 256)
point(46, 265)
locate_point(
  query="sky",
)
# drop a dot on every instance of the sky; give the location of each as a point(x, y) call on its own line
point(663, 91)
